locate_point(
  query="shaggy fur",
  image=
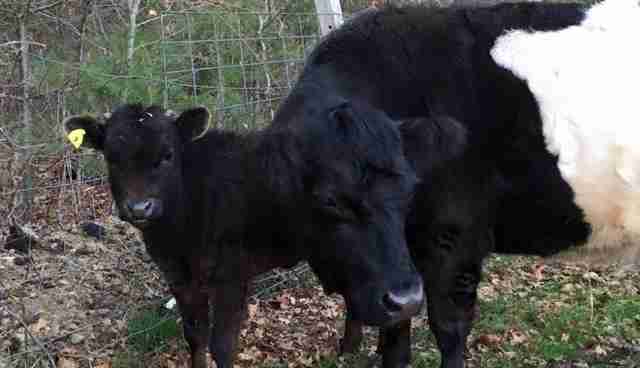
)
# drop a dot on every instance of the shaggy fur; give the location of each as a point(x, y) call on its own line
point(219, 208)
point(507, 189)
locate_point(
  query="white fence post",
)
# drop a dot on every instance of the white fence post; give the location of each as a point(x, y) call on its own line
point(329, 15)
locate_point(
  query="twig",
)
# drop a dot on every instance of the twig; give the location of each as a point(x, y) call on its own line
point(47, 7)
point(11, 43)
point(37, 341)
point(8, 139)
point(64, 336)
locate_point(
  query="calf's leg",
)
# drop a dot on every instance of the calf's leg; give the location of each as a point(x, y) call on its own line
point(229, 312)
point(352, 339)
point(394, 343)
point(194, 308)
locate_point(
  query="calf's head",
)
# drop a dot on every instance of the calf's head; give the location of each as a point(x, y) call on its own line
point(359, 189)
point(142, 148)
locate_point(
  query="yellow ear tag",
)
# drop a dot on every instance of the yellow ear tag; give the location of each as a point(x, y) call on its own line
point(76, 136)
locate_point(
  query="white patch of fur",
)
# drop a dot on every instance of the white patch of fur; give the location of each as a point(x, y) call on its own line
point(586, 80)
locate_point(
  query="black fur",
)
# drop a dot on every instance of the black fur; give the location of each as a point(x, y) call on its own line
point(219, 208)
point(494, 186)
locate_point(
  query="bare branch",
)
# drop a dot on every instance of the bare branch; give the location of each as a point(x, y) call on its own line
point(21, 42)
point(47, 7)
point(35, 340)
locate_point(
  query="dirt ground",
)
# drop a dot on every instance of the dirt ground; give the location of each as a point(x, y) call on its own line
point(70, 302)
point(74, 293)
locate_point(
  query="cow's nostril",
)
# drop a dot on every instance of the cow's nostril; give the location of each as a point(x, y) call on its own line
point(405, 302)
point(130, 205)
point(142, 209)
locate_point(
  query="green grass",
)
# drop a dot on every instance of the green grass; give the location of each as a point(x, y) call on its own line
point(563, 318)
point(127, 359)
point(579, 319)
point(149, 331)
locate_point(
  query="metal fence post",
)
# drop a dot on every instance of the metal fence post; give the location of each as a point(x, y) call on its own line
point(329, 15)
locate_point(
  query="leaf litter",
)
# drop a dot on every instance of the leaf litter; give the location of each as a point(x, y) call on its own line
point(77, 295)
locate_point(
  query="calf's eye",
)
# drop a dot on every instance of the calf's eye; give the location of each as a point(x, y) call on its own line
point(168, 156)
point(165, 159)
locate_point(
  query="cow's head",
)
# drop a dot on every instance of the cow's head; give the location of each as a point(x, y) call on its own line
point(359, 187)
point(142, 148)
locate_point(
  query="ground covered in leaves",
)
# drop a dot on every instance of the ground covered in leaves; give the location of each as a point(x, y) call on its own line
point(76, 301)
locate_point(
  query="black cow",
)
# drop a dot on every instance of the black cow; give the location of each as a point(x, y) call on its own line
point(449, 231)
point(541, 167)
point(217, 208)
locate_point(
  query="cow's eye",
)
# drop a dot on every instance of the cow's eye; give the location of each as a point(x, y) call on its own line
point(342, 209)
point(165, 159)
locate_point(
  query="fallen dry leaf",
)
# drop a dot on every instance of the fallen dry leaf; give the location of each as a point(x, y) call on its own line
point(40, 325)
point(510, 354)
point(489, 340)
point(538, 271)
point(516, 337)
point(253, 310)
point(64, 362)
point(598, 350)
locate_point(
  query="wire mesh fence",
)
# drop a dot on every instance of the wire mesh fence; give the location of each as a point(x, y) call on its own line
point(238, 63)
point(236, 60)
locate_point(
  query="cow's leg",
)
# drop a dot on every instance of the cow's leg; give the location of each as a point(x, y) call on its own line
point(194, 309)
point(450, 327)
point(451, 308)
point(229, 312)
point(394, 343)
point(352, 339)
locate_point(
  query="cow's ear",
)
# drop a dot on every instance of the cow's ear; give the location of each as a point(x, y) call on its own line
point(193, 123)
point(435, 140)
point(84, 130)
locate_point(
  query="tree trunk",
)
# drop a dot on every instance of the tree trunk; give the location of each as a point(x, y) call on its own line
point(86, 10)
point(134, 7)
point(24, 198)
point(329, 15)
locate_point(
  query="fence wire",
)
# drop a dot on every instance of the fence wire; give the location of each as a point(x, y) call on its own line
point(239, 64)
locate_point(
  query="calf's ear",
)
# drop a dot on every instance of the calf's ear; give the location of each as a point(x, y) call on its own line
point(344, 120)
point(193, 123)
point(84, 130)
